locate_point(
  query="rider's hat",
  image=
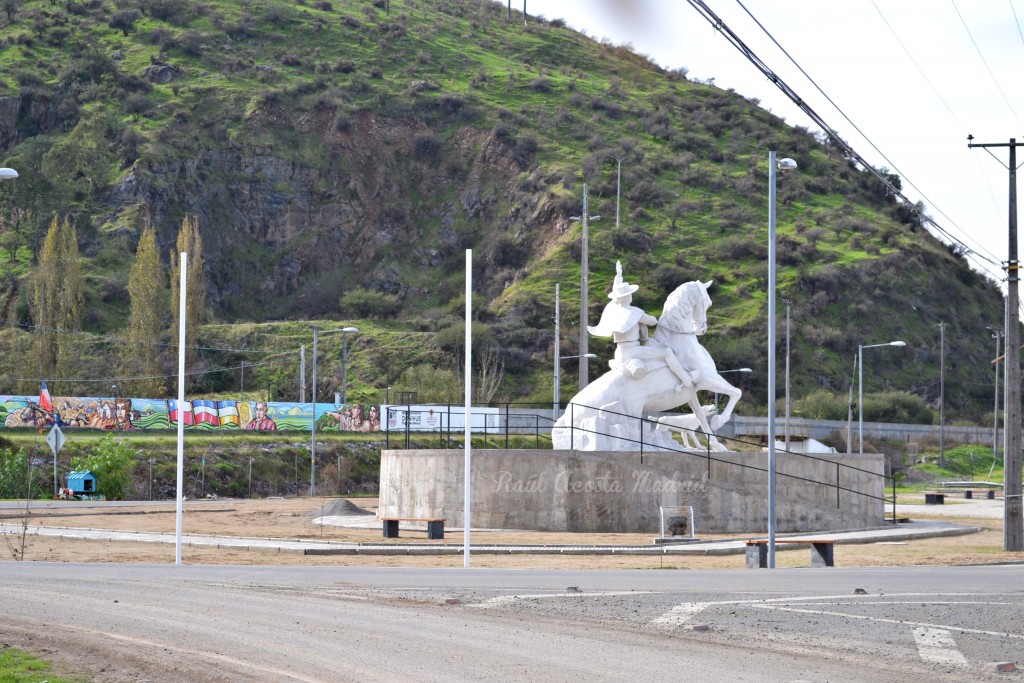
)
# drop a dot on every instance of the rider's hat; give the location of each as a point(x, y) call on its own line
point(619, 286)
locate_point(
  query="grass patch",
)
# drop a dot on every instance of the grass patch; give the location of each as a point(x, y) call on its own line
point(18, 666)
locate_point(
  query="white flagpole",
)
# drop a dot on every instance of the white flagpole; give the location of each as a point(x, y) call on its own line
point(181, 406)
point(469, 402)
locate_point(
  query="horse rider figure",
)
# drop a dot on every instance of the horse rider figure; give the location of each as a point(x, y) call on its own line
point(627, 326)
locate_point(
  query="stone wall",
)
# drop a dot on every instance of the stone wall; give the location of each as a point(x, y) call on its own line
point(597, 492)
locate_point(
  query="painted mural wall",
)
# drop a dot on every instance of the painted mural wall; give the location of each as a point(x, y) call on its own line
point(141, 413)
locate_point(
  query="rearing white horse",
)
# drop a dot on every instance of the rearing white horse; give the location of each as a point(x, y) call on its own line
point(606, 414)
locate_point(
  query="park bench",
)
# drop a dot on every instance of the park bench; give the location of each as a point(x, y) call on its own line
point(435, 526)
point(989, 493)
point(969, 487)
point(821, 551)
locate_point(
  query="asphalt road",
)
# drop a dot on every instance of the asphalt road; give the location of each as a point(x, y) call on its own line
point(218, 623)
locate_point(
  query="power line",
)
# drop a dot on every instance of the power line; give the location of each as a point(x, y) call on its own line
point(1016, 21)
point(982, 57)
point(862, 133)
point(852, 154)
point(194, 373)
point(120, 339)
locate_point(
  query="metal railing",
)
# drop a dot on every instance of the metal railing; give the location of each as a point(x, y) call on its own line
point(540, 427)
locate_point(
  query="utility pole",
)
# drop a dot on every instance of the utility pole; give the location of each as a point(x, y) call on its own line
point(942, 394)
point(1013, 524)
point(302, 373)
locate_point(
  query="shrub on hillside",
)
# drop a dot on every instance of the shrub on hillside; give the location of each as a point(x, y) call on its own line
point(364, 303)
point(18, 479)
point(112, 463)
point(897, 406)
point(822, 405)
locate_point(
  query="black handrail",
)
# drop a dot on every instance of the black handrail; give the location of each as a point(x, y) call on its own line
point(542, 425)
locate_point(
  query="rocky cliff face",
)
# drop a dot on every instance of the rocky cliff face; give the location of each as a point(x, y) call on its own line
point(33, 116)
point(382, 204)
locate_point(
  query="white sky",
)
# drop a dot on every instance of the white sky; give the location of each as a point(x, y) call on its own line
point(917, 115)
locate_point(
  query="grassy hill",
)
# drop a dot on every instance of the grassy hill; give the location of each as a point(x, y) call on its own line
point(342, 155)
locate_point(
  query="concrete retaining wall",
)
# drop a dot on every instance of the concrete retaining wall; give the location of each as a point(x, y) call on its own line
point(586, 491)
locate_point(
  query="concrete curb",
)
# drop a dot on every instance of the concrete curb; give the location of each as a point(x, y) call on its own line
point(903, 532)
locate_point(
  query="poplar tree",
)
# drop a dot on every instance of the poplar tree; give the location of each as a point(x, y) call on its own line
point(58, 301)
point(190, 242)
point(142, 363)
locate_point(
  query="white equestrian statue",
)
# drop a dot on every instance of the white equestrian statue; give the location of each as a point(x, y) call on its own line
point(606, 414)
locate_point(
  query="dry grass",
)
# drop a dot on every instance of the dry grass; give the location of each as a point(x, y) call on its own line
point(293, 519)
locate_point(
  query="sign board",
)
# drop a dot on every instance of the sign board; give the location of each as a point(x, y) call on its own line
point(56, 439)
point(426, 418)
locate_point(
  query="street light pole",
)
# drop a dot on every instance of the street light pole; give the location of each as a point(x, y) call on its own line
point(344, 360)
point(618, 190)
point(773, 166)
point(312, 423)
point(788, 303)
point(849, 406)
point(312, 426)
point(996, 334)
point(585, 218)
point(558, 370)
point(942, 394)
point(860, 385)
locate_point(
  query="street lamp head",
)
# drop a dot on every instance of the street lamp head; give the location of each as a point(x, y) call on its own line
point(786, 164)
point(6, 173)
point(735, 370)
point(898, 343)
point(585, 355)
point(350, 329)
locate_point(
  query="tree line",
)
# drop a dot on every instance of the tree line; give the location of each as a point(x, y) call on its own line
point(58, 302)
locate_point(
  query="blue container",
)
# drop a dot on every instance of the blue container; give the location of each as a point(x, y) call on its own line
point(82, 482)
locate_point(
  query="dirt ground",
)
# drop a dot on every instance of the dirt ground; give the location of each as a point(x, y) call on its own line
point(293, 518)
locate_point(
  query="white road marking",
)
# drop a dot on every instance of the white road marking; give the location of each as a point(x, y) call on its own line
point(507, 599)
point(936, 645)
point(680, 614)
point(902, 622)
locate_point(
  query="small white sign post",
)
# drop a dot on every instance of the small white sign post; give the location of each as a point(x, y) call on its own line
point(56, 440)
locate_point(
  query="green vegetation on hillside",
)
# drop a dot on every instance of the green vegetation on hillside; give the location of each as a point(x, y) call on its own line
point(340, 156)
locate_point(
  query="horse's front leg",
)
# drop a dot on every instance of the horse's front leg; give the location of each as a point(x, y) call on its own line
point(698, 412)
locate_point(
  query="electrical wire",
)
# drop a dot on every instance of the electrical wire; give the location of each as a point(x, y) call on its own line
point(863, 134)
point(120, 339)
point(983, 61)
point(1016, 21)
point(117, 380)
point(838, 141)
